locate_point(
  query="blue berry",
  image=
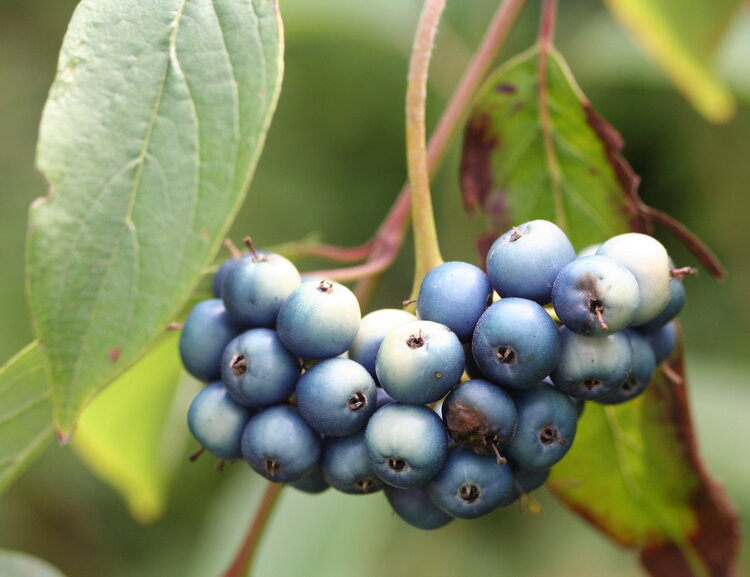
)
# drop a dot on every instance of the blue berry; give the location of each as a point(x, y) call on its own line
point(647, 259)
point(676, 303)
point(516, 343)
point(524, 482)
point(206, 333)
point(547, 422)
point(319, 320)
point(663, 341)
point(641, 372)
point(469, 485)
point(336, 396)
point(279, 445)
point(312, 483)
point(254, 289)
point(408, 444)
point(595, 295)
point(372, 331)
point(415, 507)
point(591, 368)
point(480, 416)
point(258, 370)
point(454, 294)
point(419, 362)
point(221, 274)
point(347, 465)
point(524, 261)
point(217, 421)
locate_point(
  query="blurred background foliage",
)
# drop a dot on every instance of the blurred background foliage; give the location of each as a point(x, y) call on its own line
point(333, 163)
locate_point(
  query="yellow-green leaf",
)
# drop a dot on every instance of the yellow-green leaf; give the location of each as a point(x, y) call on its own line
point(682, 37)
point(133, 434)
point(25, 412)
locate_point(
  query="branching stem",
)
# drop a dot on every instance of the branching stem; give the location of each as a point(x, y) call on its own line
point(242, 561)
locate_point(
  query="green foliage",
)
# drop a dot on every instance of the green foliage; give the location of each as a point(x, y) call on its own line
point(683, 38)
point(148, 145)
point(129, 165)
point(25, 412)
point(535, 149)
point(134, 435)
point(517, 167)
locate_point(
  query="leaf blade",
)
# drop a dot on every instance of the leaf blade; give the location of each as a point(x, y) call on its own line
point(25, 412)
point(129, 435)
point(682, 38)
point(145, 177)
point(505, 167)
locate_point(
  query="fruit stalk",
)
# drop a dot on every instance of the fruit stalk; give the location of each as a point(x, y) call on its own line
point(427, 249)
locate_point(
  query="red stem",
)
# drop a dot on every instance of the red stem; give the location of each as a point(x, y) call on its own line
point(244, 557)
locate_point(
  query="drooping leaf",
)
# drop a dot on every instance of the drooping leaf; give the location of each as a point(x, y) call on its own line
point(148, 140)
point(25, 412)
point(635, 472)
point(535, 148)
point(134, 435)
point(517, 167)
point(15, 564)
point(683, 37)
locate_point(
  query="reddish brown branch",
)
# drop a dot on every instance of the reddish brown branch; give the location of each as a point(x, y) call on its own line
point(244, 557)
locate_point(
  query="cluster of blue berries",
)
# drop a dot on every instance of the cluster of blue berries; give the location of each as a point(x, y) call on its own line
point(453, 412)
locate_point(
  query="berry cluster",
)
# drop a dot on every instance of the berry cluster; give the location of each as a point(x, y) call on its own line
point(453, 412)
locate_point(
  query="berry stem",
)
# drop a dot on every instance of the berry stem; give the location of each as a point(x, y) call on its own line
point(242, 561)
point(390, 235)
point(427, 248)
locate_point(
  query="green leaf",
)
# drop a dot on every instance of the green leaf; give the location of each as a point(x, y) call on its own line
point(25, 412)
point(148, 140)
point(682, 37)
point(635, 472)
point(15, 564)
point(535, 148)
point(518, 167)
point(133, 434)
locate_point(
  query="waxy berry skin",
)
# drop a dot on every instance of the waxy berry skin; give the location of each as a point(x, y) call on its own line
point(591, 368)
point(454, 294)
point(595, 295)
point(205, 334)
point(408, 444)
point(347, 466)
point(336, 397)
point(258, 370)
point(254, 289)
point(547, 423)
point(372, 331)
point(470, 485)
point(419, 362)
point(319, 320)
point(415, 507)
point(279, 445)
point(524, 261)
point(647, 259)
point(516, 344)
point(217, 421)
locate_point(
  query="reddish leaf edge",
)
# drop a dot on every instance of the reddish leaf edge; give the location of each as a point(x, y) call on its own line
point(476, 183)
point(712, 549)
point(642, 216)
